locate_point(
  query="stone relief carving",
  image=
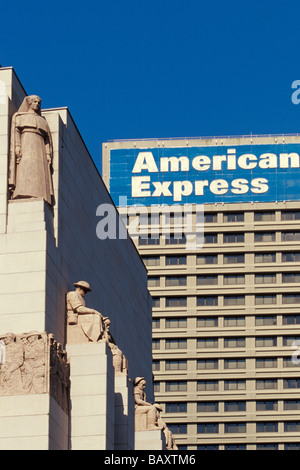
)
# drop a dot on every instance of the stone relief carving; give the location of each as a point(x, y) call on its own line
point(33, 363)
point(31, 153)
point(119, 360)
point(147, 415)
point(83, 324)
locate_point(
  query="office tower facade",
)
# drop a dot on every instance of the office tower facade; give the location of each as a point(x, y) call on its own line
point(226, 316)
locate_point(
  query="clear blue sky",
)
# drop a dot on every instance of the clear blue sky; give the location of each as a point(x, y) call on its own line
point(159, 68)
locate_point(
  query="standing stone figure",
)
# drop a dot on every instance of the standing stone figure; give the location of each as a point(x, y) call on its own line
point(10, 370)
point(34, 367)
point(144, 409)
point(84, 324)
point(31, 152)
point(119, 360)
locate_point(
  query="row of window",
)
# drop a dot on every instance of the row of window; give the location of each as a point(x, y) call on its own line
point(211, 218)
point(213, 428)
point(228, 300)
point(228, 279)
point(214, 238)
point(238, 342)
point(232, 406)
point(229, 385)
point(230, 258)
point(227, 322)
point(233, 363)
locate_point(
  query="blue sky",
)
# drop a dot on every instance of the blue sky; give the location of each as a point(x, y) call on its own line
point(159, 68)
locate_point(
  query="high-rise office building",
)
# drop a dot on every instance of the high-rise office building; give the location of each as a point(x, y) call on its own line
point(226, 304)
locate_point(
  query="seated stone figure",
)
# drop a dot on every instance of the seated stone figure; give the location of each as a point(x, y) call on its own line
point(84, 324)
point(146, 414)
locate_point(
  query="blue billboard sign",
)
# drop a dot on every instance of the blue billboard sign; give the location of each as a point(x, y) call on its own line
point(210, 174)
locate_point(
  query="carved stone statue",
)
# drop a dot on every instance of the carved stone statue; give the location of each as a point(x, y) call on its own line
point(119, 360)
point(33, 370)
point(31, 153)
point(169, 436)
point(84, 324)
point(146, 414)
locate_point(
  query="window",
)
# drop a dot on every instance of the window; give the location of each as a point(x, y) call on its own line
point(206, 447)
point(151, 260)
point(234, 342)
point(156, 302)
point(265, 278)
point(291, 298)
point(290, 362)
point(156, 387)
point(176, 343)
point(290, 236)
point(291, 319)
point(232, 406)
point(175, 260)
point(176, 322)
point(291, 405)
point(207, 259)
point(292, 426)
point(266, 384)
point(153, 281)
point(175, 281)
point(207, 343)
point(175, 240)
point(233, 238)
point(230, 279)
point(207, 322)
point(291, 383)
point(266, 299)
point(176, 386)
point(264, 216)
point(210, 428)
point(267, 446)
point(234, 363)
point(267, 405)
point(209, 218)
point(176, 302)
point(207, 385)
point(267, 427)
point(261, 363)
point(156, 344)
point(290, 340)
point(234, 321)
point(178, 428)
point(234, 217)
point(150, 240)
point(173, 364)
point(207, 301)
point(265, 320)
point(235, 427)
point(207, 407)
point(266, 341)
point(291, 277)
point(233, 259)
point(211, 238)
point(207, 280)
point(156, 323)
point(176, 407)
point(234, 300)
point(291, 257)
point(235, 447)
point(149, 219)
point(290, 215)
point(264, 237)
point(234, 384)
point(292, 446)
point(207, 364)
point(155, 365)
point(265, 257)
